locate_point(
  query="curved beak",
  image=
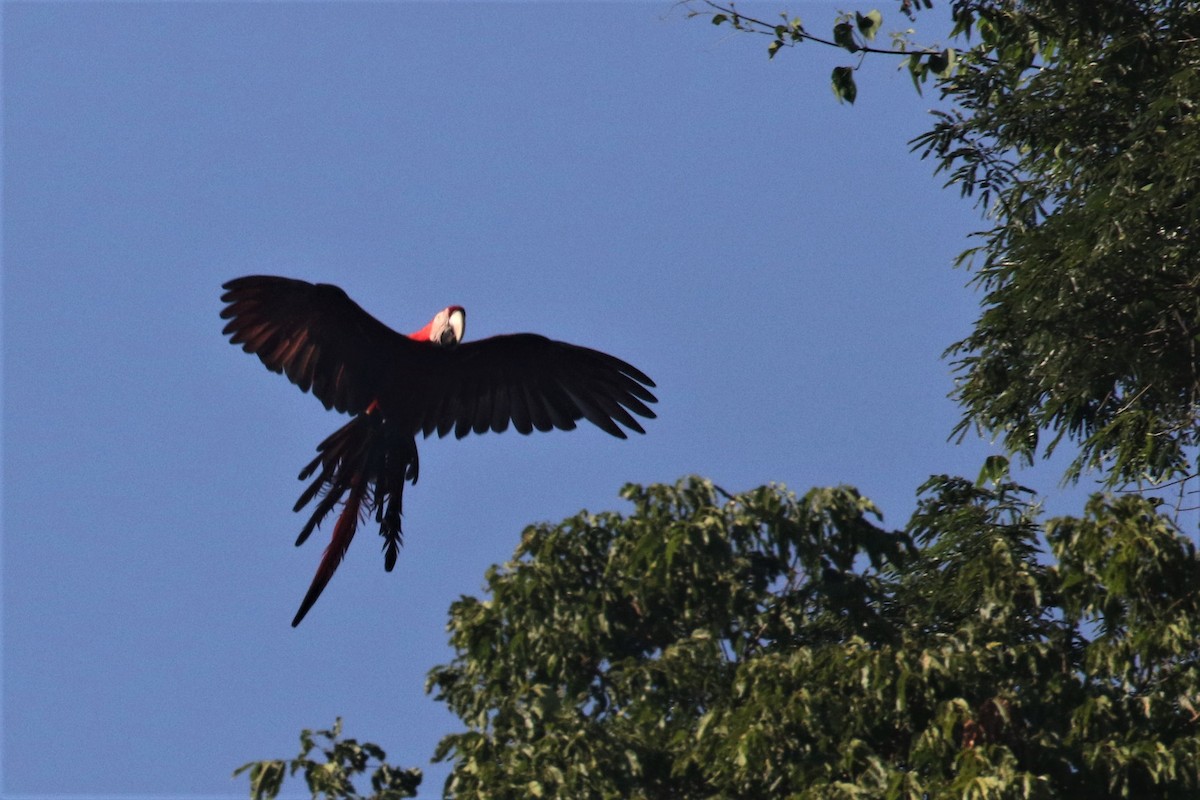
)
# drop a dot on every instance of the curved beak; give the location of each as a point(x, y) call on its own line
point(454, 326)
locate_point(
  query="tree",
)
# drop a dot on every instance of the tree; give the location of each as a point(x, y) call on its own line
point(761, 645)
point(1079, 120)
point(333, 778)
point(1073, 123)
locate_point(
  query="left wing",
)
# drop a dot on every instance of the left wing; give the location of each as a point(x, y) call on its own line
point(317, 336)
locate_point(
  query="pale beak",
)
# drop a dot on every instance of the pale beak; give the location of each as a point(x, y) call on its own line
point(456, 322)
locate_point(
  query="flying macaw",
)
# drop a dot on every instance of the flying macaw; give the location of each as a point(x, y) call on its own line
point(397, 386)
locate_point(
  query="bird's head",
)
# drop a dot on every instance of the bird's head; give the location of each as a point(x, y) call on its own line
point(445, 329)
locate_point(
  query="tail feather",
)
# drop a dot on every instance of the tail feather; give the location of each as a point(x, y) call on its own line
point(389, 528)
point(308, 494)
point(343, 457)
point(367, 462)
point(322, 510)
point(343, 534)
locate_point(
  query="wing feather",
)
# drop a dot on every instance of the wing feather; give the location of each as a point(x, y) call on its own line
point(519, 410)
point(531, 382)
point(587, 406)
point(501, 409)
point(316, 335)
point(484, 408)
point(536, 403)
point(468, 398)
point(563, 410)
point(617, 412)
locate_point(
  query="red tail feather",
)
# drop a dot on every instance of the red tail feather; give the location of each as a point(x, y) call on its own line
point(343, 534)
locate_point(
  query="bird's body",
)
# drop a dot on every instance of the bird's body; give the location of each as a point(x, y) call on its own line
point(397, 386)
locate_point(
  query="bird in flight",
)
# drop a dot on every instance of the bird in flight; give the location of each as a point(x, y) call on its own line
point(396, 386)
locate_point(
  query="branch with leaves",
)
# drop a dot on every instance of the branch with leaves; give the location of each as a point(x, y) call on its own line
point(1073, 127)
point(333, 778)
point(851, 32)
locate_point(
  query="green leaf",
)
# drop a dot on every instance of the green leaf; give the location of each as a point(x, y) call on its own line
point(718, 19)
point(843, 84)
point(942, 63)
point(773, 48)
point(266, 778)
point(994, 471)
point(869, 23)
point(843, 35)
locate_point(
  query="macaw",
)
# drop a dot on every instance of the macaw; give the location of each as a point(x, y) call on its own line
point(396, 386)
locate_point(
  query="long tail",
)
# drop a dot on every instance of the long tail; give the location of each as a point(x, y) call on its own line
point(370, 461)
point(343, 534)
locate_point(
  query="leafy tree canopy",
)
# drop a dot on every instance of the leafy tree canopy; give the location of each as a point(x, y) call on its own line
point(764, 645)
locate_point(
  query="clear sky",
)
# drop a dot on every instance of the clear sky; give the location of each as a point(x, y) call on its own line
point(612, 175)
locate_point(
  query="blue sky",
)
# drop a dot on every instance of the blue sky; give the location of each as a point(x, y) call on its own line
point(612, 175)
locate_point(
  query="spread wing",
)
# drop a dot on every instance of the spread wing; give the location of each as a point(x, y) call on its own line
point(529, 381)
point(315, 335)
point(326, 343)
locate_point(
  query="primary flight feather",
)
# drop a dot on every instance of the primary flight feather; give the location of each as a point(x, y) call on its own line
point(396, 386)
